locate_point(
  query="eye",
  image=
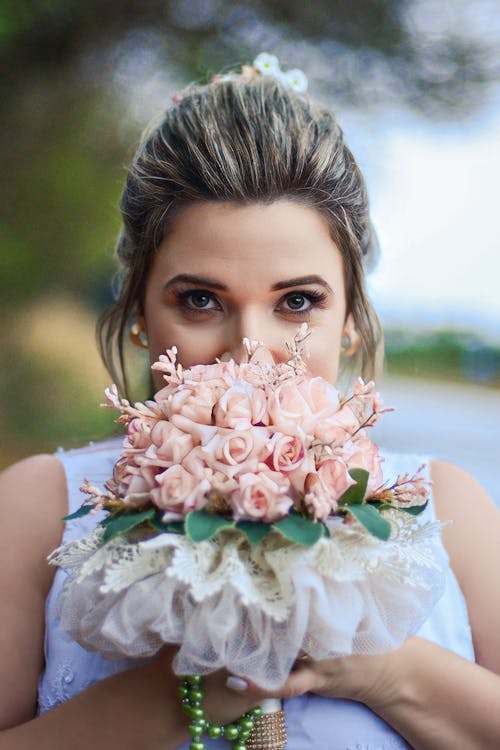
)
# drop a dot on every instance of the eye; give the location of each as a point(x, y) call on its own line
point(297, 301)
point(197, 299)
point(301, 302)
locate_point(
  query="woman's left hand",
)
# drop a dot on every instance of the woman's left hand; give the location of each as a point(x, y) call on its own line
point(360, 678)
point(366, 679)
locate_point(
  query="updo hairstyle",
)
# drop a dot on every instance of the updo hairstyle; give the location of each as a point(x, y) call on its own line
point(244, 142)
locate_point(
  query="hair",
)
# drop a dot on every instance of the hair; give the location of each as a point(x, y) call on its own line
point(244, 142)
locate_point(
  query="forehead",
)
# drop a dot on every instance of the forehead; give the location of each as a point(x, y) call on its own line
point(271, 240)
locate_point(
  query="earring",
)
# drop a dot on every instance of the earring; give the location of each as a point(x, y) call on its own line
point(138, 336)
point(346, 343)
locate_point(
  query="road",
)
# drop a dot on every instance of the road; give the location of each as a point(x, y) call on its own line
point(457, 423)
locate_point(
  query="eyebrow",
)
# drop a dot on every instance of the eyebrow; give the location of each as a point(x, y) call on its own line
point(301, 281)
point(187, 278)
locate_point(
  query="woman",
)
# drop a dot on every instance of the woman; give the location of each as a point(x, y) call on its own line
point(245, 215)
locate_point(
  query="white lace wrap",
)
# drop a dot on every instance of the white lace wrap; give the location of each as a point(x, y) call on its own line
point(251, 608)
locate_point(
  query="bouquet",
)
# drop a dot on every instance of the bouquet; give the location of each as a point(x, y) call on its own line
point(248, 521)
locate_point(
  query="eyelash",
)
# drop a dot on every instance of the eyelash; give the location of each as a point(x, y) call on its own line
point(183, 301)
point(315, 298)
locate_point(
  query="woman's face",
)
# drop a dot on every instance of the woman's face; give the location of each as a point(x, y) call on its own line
point(226, 271)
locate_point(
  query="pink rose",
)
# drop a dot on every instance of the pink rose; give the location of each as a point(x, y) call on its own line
point(195, 464)
point(338, 428)
point(134, 480)
point(363, 454)
point(137, 437)
point(335, 479)
point(297, 405)
point(287, 408)
point(201, 433)
point(237, 452)
point(261, 496)
point(218, 376)
point(288, 452)
point(320, 395)
point(138, 492)
point(241, 406)
point(162, 396)
point(180, 491)
point(123, 471)
point(231, 447)
point(193, 402)
point(172, 444)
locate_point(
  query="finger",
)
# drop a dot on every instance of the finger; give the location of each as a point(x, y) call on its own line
point(237, 683)
point(251, 689)
point(302, 680)
point(245, 686)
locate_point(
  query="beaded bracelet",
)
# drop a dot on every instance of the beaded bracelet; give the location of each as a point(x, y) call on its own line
point(192, 694)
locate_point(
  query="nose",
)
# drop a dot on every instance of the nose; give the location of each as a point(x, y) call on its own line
point(254, 326)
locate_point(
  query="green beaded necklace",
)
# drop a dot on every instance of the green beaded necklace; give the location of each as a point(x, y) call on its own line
point(192, 694)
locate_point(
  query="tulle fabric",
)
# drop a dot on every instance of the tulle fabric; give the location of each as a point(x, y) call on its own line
point(251, 608)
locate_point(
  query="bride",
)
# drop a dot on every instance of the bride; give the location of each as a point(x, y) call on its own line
point(244, 215)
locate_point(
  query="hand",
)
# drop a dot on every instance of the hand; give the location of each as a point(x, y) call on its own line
point(372, 680)
point(359, 678)
point(222, 705)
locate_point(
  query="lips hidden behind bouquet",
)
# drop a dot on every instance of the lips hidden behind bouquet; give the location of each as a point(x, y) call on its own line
point(248, 521)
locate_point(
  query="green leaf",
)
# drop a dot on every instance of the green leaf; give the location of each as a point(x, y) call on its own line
point(201, 525)
point(296, 528)
point(326, 531)
point(379, 505)
point(356, 493)
point(255, 531)
point(120, 523)
point(174, 527)
point(83, 510)
point(371, 520)
point(414, 510)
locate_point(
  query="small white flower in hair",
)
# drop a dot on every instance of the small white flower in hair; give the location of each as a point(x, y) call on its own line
point(295, 79)
point(267, 64)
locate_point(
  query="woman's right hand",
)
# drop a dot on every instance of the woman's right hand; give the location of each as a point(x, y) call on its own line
point(222, 704)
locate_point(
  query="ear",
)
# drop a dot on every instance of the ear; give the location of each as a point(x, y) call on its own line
point(141, 320)
point(351, 338)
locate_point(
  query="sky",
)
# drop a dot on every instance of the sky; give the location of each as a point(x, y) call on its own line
point(435, 204)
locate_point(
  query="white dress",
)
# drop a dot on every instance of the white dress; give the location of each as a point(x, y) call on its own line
point(312, 721)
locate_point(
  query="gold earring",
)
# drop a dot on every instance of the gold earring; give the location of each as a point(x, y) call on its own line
point(138, 336)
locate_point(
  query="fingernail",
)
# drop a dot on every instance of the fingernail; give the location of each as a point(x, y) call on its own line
point(236, 683)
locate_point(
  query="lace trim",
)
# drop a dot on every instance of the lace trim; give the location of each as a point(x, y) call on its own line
point(219, 598)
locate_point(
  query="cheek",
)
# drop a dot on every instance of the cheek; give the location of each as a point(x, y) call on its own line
point(325, 367)
point(193, 346)
point(324, 347)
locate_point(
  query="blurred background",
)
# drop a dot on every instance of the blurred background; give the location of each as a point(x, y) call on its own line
point(415, 85)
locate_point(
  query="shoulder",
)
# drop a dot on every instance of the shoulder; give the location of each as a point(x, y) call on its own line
point(472, 542)
point(43, 472)
point(32, 503)
point(33, 499)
